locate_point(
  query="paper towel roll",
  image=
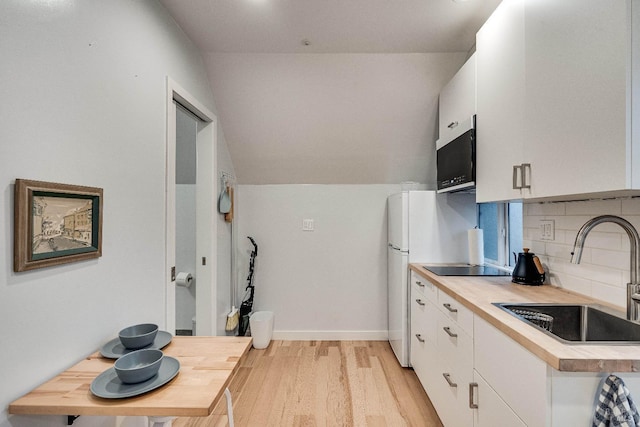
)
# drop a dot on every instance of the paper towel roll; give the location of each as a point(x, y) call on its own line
point(184, 279)
point(476, 246)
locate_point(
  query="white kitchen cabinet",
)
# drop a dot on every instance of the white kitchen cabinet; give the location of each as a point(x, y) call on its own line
point(423, 333)
point(500, 69)
point(490, 410)
point(442, 350)
point(555, 90)
point(517, 376)
point(455, 352)
point(457, 100)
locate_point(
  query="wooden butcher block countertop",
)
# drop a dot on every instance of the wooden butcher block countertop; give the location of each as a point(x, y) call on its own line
point(478, 294)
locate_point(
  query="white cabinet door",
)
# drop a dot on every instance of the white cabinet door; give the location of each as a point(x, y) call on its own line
point(491, 411)
point(457, 100)
point(519, 377)
point(576, 96)
point(554, 91)
point(500, 71)
point(455, 349)
point(423, 344)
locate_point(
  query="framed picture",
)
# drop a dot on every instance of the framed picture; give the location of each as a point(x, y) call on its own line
point(55, 224)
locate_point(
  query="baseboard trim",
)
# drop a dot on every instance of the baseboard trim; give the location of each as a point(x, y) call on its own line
point(331, 335)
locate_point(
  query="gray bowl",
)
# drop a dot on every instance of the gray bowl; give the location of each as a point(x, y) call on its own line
point(138, 366)
point(138, 336)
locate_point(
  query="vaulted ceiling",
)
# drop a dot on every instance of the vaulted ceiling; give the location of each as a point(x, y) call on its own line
point(330, 91)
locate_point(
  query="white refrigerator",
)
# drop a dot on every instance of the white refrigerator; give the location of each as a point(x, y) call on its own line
point(423, 227)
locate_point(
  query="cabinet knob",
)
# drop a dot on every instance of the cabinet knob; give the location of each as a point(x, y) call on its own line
point(420, 284)
point(448, 307)
point(448, 331)
point(419, 337)
point(472, 387)
point(452, 125)
point(448, 378)
point(419, 301)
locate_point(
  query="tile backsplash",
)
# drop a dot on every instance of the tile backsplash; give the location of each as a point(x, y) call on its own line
point(604, 269)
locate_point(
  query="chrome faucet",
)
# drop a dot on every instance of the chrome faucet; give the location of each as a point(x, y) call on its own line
point(633, 288)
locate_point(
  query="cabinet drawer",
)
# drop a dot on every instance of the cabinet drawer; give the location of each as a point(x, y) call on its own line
point(456, 347)
point(454, 400)
point(423, 317)
point(428, 289)
point(456, 312)
point(423, 359)
point(455, 352)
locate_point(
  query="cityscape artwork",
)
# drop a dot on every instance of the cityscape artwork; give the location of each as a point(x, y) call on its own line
point(55, 224)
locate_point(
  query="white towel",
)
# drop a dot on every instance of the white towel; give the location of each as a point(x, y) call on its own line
point(615, 405)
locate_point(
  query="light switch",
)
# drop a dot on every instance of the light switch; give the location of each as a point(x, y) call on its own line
point(547, 229)
point(307, 225)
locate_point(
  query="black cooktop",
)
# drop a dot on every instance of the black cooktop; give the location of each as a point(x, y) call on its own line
point(465, 270)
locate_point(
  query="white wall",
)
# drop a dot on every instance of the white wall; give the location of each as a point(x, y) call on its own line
point(84, 93)
point(604, 269)
point(372, 116)
point(330, 283)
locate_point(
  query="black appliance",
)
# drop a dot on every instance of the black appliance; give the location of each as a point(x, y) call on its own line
point(528, 269)
point(465, 270)
point(456, 159)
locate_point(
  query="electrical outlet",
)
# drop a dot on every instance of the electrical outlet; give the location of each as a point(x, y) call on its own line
point(307, 225)
point(547, 229)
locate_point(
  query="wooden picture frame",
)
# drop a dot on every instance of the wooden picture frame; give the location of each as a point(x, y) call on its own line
point(55, 224)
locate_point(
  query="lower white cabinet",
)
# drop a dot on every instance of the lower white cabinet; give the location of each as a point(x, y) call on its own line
point(477, 376)
point(473, 373)
point(442, 351)
point(423, 337)
point(489, 410)
point(516, 375)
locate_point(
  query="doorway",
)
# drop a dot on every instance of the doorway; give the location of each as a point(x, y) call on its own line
point(190, 180)
point(186, 174)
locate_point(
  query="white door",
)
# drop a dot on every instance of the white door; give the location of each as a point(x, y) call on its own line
point(205, 217)
point(397, 224)
point(398, 310)
point(185, 225)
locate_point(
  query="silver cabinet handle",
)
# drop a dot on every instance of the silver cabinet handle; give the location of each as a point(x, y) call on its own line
point(472, 387)
point(517, 170)
point(419, 301)
point(419, 337)
point(420, 284)
point(448, 331)
point(448, 378)
point(451, 309)
point(452, 125)
point(525, 182)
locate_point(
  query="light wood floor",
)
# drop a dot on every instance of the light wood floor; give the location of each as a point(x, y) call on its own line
point(323, 383)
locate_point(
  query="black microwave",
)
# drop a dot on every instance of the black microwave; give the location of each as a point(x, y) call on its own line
point(456, 159)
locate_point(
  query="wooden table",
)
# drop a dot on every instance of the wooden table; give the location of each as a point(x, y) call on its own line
point(207, 365)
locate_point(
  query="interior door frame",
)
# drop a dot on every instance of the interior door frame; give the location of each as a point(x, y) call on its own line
point(205, 203)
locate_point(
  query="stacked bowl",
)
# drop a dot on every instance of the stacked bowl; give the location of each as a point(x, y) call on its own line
point(140, 364)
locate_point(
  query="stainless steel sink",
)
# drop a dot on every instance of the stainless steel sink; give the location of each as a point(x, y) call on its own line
point(577, 323)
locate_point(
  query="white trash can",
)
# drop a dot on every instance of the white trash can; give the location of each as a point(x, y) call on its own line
point(261, 324)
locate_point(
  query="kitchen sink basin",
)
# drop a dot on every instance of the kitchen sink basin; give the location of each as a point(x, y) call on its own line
point(577, 323)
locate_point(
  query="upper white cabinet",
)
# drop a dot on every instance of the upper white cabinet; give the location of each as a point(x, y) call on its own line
point(554, 100)
point(458, 100)
point(500, 116)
